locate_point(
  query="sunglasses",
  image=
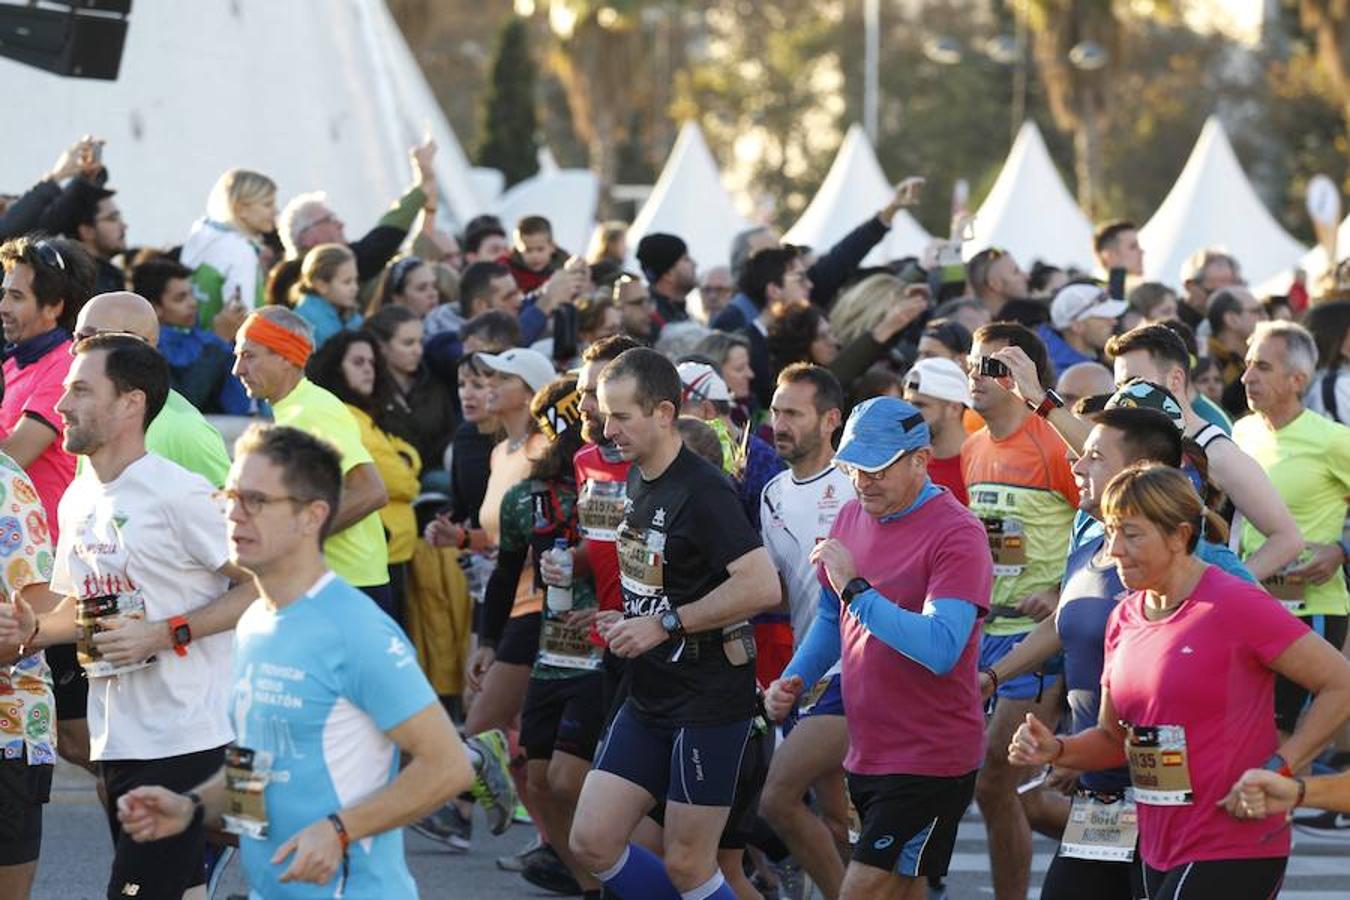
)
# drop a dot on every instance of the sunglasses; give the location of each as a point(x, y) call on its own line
point(84, 334)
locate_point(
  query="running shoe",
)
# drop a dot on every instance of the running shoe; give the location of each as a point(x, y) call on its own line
point(544, 869)
point(493, 788)
point(516, 861)
point(521, 816)
point(448, 826)
point(1323, 828)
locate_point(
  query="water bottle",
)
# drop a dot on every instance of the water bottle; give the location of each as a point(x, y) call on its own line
point(560, 596)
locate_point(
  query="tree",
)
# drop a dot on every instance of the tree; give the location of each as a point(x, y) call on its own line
point(509, 139)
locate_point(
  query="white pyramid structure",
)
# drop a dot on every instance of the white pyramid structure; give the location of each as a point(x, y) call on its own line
point(318, 96)
point(690, 201)
point(852, 192)
point(566, 197)
point(1313, 263)
point(1212, 204)
point(1030, 213)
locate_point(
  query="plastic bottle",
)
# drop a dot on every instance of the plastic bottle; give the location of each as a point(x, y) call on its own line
point(560, 596)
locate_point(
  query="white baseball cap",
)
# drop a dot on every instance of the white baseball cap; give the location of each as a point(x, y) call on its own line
point(939, 378)
point(1075, 302)
point(701, 382)
point(530, 366)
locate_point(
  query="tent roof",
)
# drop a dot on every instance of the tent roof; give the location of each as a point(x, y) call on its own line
point(1030, 213)
point(331, 108)
point(690, 201)
point(566, 197)
point(1213, 204)
point(852, 192)
point(1313, 263)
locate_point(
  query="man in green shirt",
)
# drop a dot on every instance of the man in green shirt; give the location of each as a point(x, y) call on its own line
point(179, 433)
point(1308, 460)
point(269, 357)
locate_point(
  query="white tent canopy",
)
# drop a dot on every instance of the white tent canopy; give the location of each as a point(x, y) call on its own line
point(566, 197)
point(1313, 263)
point(1213, 204)
point(1030, 213)
point(852, 192)
point(690, 201)
point(213, 84)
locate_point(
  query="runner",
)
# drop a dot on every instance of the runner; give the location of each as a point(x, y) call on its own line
point(691, 567)
point(1021, 488)
point(143, 565)
point(910, 632)
point(270, 353)
point(799, 509)
point(1188, 682)
point(327, 694)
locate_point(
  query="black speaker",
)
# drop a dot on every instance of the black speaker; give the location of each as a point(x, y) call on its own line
point(66, 42)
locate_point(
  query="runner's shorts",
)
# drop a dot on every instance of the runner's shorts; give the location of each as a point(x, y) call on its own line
point(24, 789)
point(519, 643)
point(1291, 698)
point(1026, 686)
point(564, 715)
point(909, 822)
point(694, 764)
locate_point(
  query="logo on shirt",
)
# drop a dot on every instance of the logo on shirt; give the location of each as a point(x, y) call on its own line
point(659, 520)
point(1186, 651)
point(398, 648)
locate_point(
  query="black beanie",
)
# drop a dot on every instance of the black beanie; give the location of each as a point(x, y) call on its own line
point(658, 253)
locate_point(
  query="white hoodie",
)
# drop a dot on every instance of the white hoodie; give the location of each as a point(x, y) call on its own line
point(225, 266)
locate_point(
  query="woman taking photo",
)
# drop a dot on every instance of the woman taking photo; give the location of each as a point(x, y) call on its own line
point(1187, 700)
point(223, 246)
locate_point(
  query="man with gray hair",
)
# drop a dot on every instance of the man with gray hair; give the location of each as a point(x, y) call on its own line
point(307, 220)
point(1203, 273)
point(1308, 460)
point(270, 352)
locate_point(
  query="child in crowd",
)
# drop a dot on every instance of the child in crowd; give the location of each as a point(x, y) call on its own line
point(535, 256)
point(325, 294)
point(200, 361)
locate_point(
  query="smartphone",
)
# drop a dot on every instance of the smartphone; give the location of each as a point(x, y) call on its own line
point(992, 368)
point(1115, 286)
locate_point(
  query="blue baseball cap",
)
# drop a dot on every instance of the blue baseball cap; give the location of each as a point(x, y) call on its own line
point(880, 431)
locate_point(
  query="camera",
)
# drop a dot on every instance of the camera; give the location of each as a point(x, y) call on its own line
point(992, 368)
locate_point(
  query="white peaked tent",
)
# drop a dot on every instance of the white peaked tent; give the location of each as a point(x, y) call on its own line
point(690, 201)
point(320, 96)
point(1030, 213)
point(1213, 204)
point(1313, 263)
point(566, 197)
point(853, 190)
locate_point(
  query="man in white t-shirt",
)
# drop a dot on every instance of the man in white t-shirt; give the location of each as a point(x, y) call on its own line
point(797, 509)
point(142, 563)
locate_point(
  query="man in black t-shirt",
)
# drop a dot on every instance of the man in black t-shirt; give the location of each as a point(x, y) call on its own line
point(692, 571)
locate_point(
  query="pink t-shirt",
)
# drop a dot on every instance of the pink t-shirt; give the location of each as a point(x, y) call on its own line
point(35, 389)
point(1204, 668)
point(909, 721)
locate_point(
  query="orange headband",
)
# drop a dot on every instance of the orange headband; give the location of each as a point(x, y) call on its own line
point(289, 346)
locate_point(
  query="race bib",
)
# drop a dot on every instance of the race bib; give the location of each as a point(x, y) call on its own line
point(1007, 544)
point(1159, 766)
point(1100, 829)
point(98, 614)
point(245, 780)
point(1287, 590)
point(641, 569)
point(565, 647)
point(600, 509)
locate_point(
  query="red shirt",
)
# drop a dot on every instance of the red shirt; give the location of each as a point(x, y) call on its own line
point(34, 390)
point(947, 473)
point(602, 479)
point(1205, 668)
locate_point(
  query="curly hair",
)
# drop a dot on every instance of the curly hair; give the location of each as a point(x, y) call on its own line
point(325, 369)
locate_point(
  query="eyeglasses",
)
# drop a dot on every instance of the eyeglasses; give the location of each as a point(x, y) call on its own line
point(49, 255)
point(85, 334)
point(253, 502)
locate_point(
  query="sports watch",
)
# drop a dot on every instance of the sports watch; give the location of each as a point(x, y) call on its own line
point(670, 621)
point(181, 633)
point(855, 587)
point(1049, 403)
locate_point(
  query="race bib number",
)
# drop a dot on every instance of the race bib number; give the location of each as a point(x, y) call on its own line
point(1159, 766)
point(245, 780)
point(565, 647)
point(1007, 544)
point(641, 569)
point(98, 614)
point(1287, 590)
point(600, 509)
point(1103, 830)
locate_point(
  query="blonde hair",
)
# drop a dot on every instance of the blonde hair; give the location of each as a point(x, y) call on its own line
point(603, 238)
point(1161, 494)
point(235, 188)
point(321, 264)
point(862, 306)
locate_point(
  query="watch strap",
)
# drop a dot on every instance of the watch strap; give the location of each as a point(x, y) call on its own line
point(855, 587)
point(178, 625)
point(1050, 402)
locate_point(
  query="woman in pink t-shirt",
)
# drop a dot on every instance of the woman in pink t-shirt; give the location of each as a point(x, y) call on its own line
point(1188, 697)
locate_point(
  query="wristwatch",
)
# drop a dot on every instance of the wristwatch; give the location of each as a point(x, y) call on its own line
point(855, 587)
point(181, 634)
point(670, 621)
point(1050, 402)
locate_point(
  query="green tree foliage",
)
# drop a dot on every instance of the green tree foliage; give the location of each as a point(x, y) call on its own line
point(508, 132)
